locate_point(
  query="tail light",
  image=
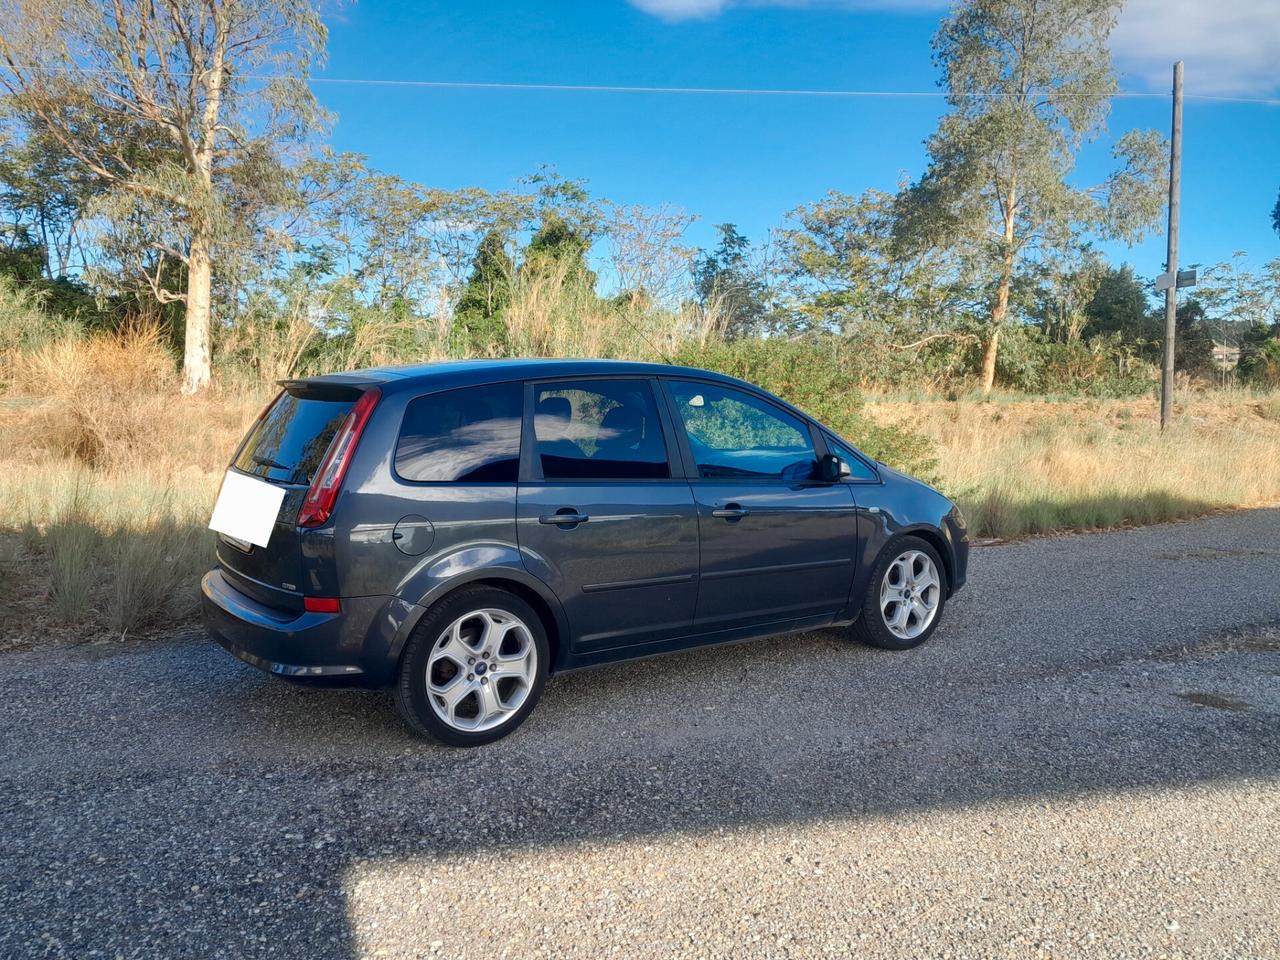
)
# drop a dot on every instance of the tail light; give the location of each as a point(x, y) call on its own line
point(317, 506)
point(322, 604)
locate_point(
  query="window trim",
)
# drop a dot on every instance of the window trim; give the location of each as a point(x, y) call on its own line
point(686, 450)
point(531, 462)
point(830, 436)
point(404, 413)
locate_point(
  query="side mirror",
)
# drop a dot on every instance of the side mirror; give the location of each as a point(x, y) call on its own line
point(831, 469)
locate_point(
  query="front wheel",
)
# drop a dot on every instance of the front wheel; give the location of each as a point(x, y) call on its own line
point(905, 596)
point(473, 669)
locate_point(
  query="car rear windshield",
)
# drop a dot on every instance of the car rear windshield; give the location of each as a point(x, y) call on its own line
point(288, 444)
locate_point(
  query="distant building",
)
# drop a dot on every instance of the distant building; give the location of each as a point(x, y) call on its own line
point(1226, 355)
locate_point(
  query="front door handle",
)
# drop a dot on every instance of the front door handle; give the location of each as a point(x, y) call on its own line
point(565, 518)
point(730, 511)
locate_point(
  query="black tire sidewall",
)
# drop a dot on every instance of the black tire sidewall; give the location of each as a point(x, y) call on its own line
point(872, 628)
point(411, 685)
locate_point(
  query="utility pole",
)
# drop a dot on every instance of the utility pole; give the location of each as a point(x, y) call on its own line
point(1171, 266)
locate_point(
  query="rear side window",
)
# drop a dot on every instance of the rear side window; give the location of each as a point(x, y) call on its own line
point(599, 430)
point(463, 436)
point(288, 443)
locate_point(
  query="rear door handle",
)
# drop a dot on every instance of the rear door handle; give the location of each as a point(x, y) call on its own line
point(730, 511)
point(564, 518)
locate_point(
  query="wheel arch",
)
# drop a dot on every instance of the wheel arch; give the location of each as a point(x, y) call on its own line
point(528, 588)
point(935, 539)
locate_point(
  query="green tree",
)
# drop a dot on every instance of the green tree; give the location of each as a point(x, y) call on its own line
point(1260, 356)
point(1193, 350)
point(1275, 216)
point(1028, 81)
point(726, 280)
point(1120, 305)
point(479, 324)
point(560, 245)
point(166, 105)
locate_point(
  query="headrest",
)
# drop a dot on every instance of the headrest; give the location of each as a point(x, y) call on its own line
point(557, 408)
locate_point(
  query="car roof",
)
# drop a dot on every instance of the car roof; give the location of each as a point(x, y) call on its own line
point(461, 373)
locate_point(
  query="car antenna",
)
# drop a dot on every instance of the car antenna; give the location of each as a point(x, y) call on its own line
point(645, 337)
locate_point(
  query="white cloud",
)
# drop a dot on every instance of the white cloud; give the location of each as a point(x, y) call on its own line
point(682, 9)
point(1229, 46)
point(705, 9)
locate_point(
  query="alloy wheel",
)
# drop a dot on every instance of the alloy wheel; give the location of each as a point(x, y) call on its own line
point(481, 670)
point(910, 594)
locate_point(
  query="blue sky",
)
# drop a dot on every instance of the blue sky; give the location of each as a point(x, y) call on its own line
point(750, 159)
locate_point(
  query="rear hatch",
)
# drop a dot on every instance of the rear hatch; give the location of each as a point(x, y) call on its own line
point(285, 447)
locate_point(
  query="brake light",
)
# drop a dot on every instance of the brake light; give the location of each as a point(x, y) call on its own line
point(321, 605)
point(317, 506)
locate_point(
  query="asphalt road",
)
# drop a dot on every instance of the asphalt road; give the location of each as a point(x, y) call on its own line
point(1084, 761)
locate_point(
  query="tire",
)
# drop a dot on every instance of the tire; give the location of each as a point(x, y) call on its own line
point(882, 622)
point(445, 686)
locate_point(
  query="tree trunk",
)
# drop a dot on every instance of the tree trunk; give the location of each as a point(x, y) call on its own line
point(989, 353)
point(195, 353)
point(1001, 307)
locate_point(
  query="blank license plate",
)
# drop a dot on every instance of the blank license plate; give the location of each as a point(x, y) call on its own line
point(247, 508)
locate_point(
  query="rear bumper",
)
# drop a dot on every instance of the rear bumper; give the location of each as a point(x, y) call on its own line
point(357, 646)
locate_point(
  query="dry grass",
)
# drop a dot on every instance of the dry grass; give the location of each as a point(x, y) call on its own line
point(108, 476)
point(104, 394)
point(1024, 466)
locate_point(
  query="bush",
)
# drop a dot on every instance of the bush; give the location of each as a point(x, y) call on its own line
point(1260, 361)
point(1102, 366)
point(812, 375)
point(25, 326)
point(105, 392)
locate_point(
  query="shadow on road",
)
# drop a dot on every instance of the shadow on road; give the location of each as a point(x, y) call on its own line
point(225, 811)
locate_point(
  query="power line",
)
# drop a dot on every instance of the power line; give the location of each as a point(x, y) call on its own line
point(700, 91)
point(722, 91)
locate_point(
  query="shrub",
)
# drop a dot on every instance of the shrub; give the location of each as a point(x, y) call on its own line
point(105, 393)
point(74, 545)
point(1102, 366)
point(811, 375)
point(153, 565)
point(24, 326)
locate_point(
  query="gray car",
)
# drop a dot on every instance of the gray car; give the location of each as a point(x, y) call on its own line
point(459, 531)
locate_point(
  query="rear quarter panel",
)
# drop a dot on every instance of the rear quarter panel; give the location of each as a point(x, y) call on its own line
point(462, 531)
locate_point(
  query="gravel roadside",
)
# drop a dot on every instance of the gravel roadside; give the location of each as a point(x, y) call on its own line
point(1085, 761)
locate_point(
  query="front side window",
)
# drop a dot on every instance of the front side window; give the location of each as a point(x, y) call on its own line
point(463, 436)
point(858, 470)
point(599, 430)
point(736, 434)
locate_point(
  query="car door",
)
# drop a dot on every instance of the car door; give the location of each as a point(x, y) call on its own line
point(776, 542)
point(603, 516)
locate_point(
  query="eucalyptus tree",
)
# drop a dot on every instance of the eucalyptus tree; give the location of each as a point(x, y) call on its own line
point(1028, 81)
point(844, 271)
point(174, 106)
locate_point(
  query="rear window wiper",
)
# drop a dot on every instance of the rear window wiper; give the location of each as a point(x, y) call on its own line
point(268, 462)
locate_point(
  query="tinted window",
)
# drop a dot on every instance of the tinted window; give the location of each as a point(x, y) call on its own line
point(599, 429)
point(857, 469)
point(289, 442)
point(735, 434)
point(463, 436)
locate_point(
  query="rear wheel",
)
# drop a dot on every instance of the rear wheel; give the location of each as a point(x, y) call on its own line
point(474, 667)
point(905, 596)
